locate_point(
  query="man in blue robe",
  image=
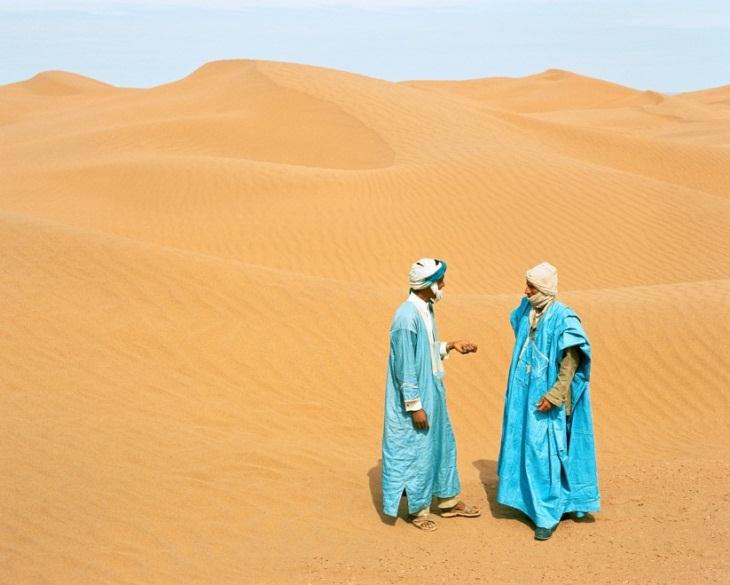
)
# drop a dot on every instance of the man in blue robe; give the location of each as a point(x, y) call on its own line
point(547, 462)
point(419, 451)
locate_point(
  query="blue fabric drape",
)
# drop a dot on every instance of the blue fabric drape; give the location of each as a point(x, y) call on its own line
point(421, 462)
point(547, 463)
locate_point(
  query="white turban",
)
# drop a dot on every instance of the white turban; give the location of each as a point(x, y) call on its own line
point(425, 272)
point(544, 277)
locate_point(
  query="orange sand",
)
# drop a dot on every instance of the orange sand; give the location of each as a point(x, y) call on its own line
point(197, 282)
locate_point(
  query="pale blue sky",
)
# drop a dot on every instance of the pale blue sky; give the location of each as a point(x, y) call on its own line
point(665, 45)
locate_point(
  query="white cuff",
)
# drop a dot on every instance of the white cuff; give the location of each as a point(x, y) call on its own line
point(443, 351)
point(413, 405)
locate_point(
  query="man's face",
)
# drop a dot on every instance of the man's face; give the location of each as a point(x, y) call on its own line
point(529, 290)
point(440, 283)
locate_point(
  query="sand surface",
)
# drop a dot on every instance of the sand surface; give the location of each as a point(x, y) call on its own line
point(197, 282)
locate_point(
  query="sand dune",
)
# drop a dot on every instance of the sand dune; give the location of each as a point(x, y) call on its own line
point(700, 118)
point(716, 96)
point(58, 83)
point(197, 283)
point(553, 89)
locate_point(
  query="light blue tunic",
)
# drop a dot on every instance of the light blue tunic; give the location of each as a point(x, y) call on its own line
point(547, 462)
point(421, 462)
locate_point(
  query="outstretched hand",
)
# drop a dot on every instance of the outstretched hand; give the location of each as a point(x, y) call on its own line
point(462, 346)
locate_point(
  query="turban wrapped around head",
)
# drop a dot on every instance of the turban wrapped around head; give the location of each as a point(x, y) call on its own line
point(544, 277)
point(425, 272)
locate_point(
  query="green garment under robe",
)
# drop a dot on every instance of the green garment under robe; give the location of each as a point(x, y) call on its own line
point(559, 394)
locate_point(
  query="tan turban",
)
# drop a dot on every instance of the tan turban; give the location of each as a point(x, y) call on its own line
point(544, 277)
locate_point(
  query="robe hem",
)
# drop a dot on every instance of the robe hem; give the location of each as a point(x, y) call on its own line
point(388, 511)
point(592, 506)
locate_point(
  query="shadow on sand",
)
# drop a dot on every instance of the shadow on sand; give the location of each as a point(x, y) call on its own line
point(487, 469)
point(376, 494)
point(488, 476)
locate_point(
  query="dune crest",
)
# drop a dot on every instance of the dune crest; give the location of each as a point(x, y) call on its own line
point(60, 83)
point(719, 96)
point(550, 90)
point(224, 109)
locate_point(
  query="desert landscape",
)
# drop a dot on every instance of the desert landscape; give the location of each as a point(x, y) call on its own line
point(197, 282)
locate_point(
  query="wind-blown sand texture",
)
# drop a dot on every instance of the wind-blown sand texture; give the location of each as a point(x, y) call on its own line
point(197, 282)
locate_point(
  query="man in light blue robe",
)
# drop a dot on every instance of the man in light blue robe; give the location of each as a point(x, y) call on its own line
point(419, 451)
point(547, 463)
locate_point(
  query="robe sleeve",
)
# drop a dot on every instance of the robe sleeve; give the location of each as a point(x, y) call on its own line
point(403, 346)
point(516, 315)
point(559, 394)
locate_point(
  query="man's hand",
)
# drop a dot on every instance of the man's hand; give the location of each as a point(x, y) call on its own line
point(420, 420)
point(544, 405)
point(461, 346)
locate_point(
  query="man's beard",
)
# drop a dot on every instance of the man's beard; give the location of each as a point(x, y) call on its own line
point(438, 293)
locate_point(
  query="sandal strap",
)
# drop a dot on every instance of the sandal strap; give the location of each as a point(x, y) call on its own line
point(423, 521)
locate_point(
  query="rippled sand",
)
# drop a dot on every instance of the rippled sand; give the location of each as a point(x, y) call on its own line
point(197, 281)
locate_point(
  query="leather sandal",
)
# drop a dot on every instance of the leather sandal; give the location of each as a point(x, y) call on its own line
point(424, 523)
point(461, 509)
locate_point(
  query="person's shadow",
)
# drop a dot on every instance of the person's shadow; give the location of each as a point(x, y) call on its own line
point(488, 476)
point(376, 493)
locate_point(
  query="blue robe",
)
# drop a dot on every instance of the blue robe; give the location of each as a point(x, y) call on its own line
point(421, 462)
point(547, 462)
